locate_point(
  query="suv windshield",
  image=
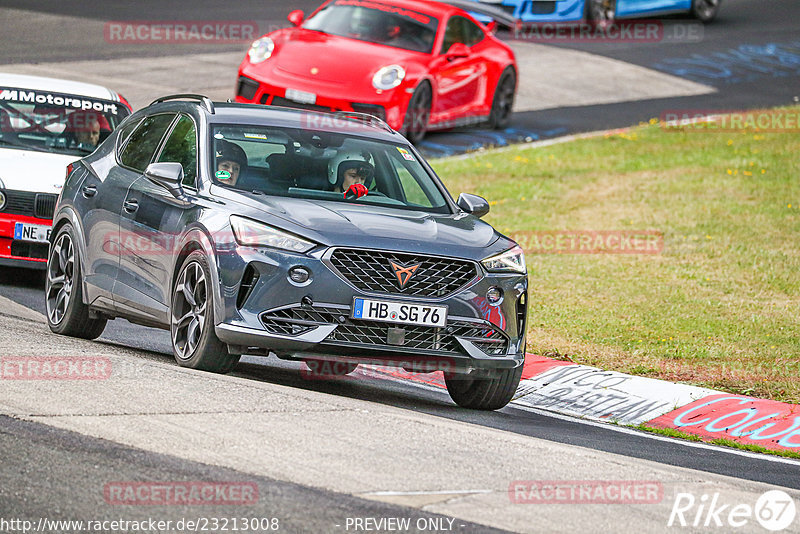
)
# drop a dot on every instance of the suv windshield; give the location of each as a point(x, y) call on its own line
point(376, 23)
point(318, 165)
point(55, 122)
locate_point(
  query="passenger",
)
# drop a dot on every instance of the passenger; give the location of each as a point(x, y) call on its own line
point(231, 162)
point(350, 169)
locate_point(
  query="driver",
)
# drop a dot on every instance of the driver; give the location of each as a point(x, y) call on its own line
point(231, 162)
point(349, 169)
point(85, 127)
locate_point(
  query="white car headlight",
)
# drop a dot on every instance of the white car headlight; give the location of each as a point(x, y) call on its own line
point(261, 50)
point(388, 77)
point(254, 234)
point(510, 261)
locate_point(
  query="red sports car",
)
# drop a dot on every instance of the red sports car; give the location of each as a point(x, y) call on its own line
point(418, 65)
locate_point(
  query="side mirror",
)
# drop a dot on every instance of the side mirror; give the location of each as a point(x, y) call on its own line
point(457, 51)
point(168, 175)
point(296, 17)
point(491, 27)
point(473, 204)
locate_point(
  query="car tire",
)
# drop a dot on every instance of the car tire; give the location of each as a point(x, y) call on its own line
point(705, 10)
point(415, 125)
point(66, 313)
point(503, 101)
point(328, 368)
point(194, 342)
point(483, 393)
point(601, 12)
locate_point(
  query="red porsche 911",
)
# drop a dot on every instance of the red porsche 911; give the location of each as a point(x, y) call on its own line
point(418, 65)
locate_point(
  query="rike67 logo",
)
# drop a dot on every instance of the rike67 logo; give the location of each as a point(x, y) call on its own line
point(775, 510)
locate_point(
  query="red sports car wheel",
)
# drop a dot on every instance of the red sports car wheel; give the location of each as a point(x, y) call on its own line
point(418, 114)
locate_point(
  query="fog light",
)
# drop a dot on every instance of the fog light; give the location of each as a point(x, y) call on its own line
point(2, 200)
point(494, 295)
point(299, 275)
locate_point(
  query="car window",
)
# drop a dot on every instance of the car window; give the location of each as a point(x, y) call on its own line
point(322, 165)
point(376, 23)
point(461, 30)
point(32, 119)
point(124, 133)
point(412, 190)
point(181, 147)
point(144, 141)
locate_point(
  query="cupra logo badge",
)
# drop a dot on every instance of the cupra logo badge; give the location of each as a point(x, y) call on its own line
point(403, 273)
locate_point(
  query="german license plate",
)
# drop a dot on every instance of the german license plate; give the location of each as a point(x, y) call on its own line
point(399, 312)
point(31, 232)
point(301, 96)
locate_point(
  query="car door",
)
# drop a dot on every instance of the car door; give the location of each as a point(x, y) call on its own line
point(627, 8)
point(98, 198)
point(460, 82)
point(139, 151)
point(153, 218)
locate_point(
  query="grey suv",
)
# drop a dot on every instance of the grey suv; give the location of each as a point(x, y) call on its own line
point(257, 230)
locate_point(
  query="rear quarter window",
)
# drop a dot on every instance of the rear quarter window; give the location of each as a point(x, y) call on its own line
point(144, 141)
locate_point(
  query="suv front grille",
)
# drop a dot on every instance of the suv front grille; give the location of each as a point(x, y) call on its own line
point(372, 271)
point(374, 334)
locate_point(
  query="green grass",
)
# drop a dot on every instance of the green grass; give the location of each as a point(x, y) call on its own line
point(719, 307)
point(672, 433)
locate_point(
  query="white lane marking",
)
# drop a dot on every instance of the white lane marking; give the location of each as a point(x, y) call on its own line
point(434, 492)
point(648, 435)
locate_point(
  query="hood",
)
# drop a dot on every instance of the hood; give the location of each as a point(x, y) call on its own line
point(300, 51)
point(38, 172)
point(370, 226)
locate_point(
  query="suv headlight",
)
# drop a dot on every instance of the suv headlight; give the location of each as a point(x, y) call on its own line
point(388, 77)
point(261, 50)
point(510, 261)
point(253, 234)
point(2, 200)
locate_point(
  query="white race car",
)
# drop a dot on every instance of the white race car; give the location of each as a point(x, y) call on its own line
point(45, 125)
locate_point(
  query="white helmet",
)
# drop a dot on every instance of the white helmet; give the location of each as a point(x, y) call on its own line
point(350, 159)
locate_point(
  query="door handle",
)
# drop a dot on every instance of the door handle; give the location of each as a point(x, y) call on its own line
point(131, 205)
point(89, 191)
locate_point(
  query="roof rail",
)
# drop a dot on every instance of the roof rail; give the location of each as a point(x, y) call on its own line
point(365, 118)
point(209, 105)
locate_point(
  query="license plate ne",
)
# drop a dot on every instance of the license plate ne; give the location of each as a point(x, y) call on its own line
point(31, 232)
